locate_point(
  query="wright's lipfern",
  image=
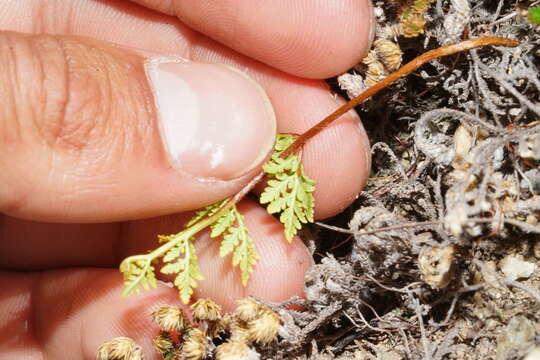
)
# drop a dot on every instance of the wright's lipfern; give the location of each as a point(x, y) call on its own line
point(289, 192)
point(205, 212)
point(179, 255)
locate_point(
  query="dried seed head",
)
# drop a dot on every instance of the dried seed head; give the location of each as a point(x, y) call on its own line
point(214, 328)
point(413, 25)
point(164, 345)
point(389, 53)
point(120, 348)
point(195, 334)
point(206, 310)
point(389, 31)
point(412, 18)
point(234, 350)
point(370, 58)
point(169, 318)
point(228, 320)
point(420, 6)
point(263, 329)
point(375, 73)
point(194, 345)
point(247, 309)
point(239, 331)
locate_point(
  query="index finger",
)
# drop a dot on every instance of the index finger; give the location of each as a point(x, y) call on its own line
point(308, 38)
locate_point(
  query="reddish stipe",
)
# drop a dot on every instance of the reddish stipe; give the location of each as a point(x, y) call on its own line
point(396, 75)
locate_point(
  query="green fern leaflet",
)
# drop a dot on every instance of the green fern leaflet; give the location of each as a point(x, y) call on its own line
point(137, 272)
point(236, 240)
point(289, 191)
point(182, 260)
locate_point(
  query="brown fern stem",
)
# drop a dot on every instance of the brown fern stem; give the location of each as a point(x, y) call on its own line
point(396, 75)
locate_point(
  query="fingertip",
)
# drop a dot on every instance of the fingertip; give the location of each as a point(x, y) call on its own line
point(338, 42)
point(307, 38)
point(69, 313)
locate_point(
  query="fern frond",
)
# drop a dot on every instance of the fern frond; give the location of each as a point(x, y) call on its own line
point(289, 191)
point(236, 240)
point(182, 260)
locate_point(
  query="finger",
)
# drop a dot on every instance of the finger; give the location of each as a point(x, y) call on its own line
point(93, 132)
point(67, 314)
point(27, 245)
point(315, 39)
point(307, 38)
point(299, 103)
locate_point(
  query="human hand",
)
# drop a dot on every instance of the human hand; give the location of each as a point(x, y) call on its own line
point(82, 156)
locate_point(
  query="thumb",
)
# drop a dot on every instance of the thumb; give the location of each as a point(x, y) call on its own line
point(93, 132)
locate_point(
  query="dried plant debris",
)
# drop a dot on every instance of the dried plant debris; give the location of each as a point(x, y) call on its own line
point(442, 251)
point(232, 336)
point(120, 348)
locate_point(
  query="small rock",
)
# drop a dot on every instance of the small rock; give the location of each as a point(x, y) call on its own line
point(463, 142)
point(456, 219)
point(531, 178)
point(514, 267)
point(518, 336)
point(491, 324)
point(514, 111)
point(362, 355)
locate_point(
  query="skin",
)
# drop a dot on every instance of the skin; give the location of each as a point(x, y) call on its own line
point(59, 297)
